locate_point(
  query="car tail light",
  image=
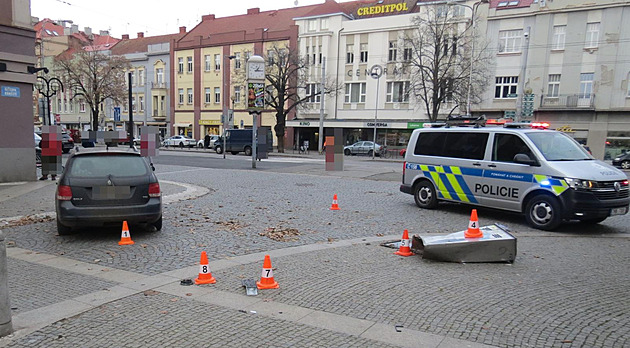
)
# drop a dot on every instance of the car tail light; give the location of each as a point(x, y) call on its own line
point(64, 193)
point(154, 190)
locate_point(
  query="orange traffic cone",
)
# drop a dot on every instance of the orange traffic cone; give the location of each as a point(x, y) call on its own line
point(125, 237)
point(205, 277)
point(473, 226)
point(266, 280)
point(405, 244)
point(334, 205)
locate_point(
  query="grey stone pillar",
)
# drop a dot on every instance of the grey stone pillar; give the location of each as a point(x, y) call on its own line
point(5, 308)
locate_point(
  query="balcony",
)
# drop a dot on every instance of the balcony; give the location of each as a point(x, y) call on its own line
point(159, 85)
point(568, 101)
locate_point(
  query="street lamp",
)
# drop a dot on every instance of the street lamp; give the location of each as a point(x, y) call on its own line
point(473, 8)
point(226, 58)
point(48, 88)
point(376, 71)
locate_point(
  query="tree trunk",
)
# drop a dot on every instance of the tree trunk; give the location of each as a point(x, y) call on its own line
point(279, 128)
point(95, 119)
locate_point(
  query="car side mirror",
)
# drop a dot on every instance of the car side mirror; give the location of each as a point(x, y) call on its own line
point(525, 159)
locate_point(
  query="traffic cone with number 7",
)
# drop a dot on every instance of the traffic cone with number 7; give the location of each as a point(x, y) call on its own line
point(473, 227)
point(266, 280)
point(205, 277)
point(405, 244)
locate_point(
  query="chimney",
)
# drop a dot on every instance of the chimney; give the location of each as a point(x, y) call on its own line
point(255, 10)
point(125, 36)
point(207, 17)
point(140, 35)
point(88, 31)
point(182, 30)
point(74, 29)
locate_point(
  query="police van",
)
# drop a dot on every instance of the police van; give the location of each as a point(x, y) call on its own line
point(544, 174)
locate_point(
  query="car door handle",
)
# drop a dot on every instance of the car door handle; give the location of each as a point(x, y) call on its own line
point(477, 164)
point(492, 165)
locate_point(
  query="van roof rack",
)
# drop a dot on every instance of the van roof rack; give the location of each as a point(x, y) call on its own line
point(466, 120)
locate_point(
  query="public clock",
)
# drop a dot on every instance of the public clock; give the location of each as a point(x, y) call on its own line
point(256, 71)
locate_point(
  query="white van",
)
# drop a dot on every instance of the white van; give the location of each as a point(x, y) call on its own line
point(544, 174)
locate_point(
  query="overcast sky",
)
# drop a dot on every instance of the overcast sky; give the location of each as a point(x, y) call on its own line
point(155, 17)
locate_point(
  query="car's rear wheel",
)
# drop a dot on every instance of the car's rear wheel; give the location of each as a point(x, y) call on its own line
point(346, 152)
point(424, 194)
point(248, 151)
point(181, 145)
point(370, 153)
point(63, 230)
point(158, 224)
point(219, 149)
point(543, 212)
point(625, 164)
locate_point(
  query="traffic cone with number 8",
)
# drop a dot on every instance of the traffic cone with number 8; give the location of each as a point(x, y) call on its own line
point(266, 280)
point(473, 227)
point(205, 277)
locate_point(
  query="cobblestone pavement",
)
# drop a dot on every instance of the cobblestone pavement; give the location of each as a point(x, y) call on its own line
point(566, 288)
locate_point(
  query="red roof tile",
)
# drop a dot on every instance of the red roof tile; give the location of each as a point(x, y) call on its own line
point(49, 28)
point(141, 44)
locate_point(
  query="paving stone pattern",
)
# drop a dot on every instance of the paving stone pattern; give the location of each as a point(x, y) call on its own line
point(46, 285)
point(161, 320)
point(555, 294)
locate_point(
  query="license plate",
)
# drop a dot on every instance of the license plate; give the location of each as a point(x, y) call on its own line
point(618, 211)
point(110, 192)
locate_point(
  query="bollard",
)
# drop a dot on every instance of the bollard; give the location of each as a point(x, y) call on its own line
point(5, 308)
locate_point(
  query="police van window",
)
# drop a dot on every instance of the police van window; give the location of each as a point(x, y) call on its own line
point(506, 146)
point(465, 145)
point(430, 144)
point(556, 146)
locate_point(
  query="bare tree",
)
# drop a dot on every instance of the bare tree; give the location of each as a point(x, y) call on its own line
point(442, 55)
point(93, 76)
point(285, 86)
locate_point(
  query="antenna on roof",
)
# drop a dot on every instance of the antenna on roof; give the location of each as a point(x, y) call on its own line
point(295, 2)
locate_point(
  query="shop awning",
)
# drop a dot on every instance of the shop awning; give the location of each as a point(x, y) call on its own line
point(156, 123)
point(182, 125)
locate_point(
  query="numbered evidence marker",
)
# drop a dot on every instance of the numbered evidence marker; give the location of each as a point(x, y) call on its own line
point(473, 226)
point(205, 277)
point(405, 245)
point(266, 279)
point(125, 237)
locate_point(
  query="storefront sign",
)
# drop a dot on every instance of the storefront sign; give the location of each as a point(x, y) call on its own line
point(565, 129)
point(378, 124)
point(366, 72)
point(8, 91)
point(305, 123)
point(414, 125)
point(382, 9)
point(209, 122)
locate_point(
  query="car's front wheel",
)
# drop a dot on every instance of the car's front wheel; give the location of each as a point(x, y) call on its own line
point(370, 153)
point(248, 151)
point(181, 145)
point(625, 164)
point(346, 152)
point(63, 230)
point(424, 194)
point(219, 149)
point(543, 212)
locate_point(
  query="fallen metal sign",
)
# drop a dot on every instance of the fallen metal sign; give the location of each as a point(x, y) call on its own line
point(496, 245)
point(250, 287)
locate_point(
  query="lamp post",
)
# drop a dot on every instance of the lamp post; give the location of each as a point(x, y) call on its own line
point(472, 8)
point(226, 58)
point(376, 71)
point(48, 88)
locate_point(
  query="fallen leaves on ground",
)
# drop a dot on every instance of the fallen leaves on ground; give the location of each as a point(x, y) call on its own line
point(25, 220)
point(281, 234)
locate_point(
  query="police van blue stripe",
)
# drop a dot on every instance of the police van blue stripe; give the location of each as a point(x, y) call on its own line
point(449, 188)
point(471, 171)
point(466, 189)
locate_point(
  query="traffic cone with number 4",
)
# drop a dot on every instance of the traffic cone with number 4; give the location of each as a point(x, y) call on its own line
point(473, 226)
point(125, 237)
point(334, 205)
point(266, 280)
point(405, 244)
point(205, 277)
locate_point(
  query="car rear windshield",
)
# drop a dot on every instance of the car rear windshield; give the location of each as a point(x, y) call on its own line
point(115, 165)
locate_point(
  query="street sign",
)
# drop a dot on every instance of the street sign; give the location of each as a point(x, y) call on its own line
point(117, 114)
point(509, 114)
point(512, 95)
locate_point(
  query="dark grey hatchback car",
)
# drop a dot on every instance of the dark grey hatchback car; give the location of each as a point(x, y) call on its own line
point(106, 187)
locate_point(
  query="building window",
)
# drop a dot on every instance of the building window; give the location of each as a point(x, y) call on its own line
point(159, 76)
point(207, 59)
point(559, 34)
point(59, 105)
point(217, 95)
point(180, 65)
point(349, 54)
point(592, 35)
point(393, 51)
point(586, 85)
point(81, 105)
point(320, 54)
point(355, 92)
point(141, 102)
point(364, 52)
point(237, 60)
point(308, 56)
point(458, 11)
point(71, 102)
point(133, 103)
point(324, 24)
point(190, 64)
point(628, 79)
point(162, 102)
point(125, 107)
point(510, 41)
point(181, 96)
point(505, 87)
point(141, 77)
point(407, 51)
point(237, 94)
point(553, 87)
point(247, 55)
point(312, 93)
point(190, 95)
point(398, 92)
point(217, 62)
point(312, 25)
point(65, 105)
point(442, 11)
point(313, 54)
point(133, 78)
point(271, 55)
point(208, 95)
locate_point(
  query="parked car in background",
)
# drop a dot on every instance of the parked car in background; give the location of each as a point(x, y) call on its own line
point(136, 141)
point(213, 138)
point(106, 187)
point(238, 140)
point(179, 140)
point(622, 161)
point(361, 148)
point(67, 143)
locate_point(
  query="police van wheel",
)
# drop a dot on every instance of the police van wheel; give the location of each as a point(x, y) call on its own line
point(219, 149)
point(248, 151)
point(424, 195)
point(543, 212)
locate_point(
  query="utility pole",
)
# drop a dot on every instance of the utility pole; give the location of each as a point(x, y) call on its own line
point(321, 107)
